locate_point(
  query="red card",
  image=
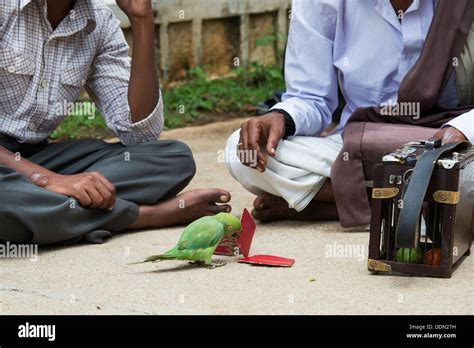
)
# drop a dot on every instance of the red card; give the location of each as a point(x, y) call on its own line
point(242, 241)
point(245, 237)
point(268, 260)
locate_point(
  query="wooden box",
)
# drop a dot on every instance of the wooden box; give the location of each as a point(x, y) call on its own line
point(445, 228)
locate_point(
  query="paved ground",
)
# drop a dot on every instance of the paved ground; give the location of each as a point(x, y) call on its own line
point(96, 279)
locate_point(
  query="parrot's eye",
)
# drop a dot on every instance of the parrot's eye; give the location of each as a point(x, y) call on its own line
point(229, 228)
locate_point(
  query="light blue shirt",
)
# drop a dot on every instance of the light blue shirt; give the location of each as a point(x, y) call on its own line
point(361, 46)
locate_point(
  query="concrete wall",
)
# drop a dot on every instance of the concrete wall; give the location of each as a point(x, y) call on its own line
point(215, 34)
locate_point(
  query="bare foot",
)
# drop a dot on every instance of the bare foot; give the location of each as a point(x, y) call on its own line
point(269, 208)
point(183, 209)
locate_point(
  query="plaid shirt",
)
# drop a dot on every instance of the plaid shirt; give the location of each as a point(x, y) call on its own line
point(41, 70)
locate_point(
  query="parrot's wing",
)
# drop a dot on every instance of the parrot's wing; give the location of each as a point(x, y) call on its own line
point(201, 234)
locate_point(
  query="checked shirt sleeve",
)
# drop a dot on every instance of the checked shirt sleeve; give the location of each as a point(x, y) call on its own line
point(107, 85)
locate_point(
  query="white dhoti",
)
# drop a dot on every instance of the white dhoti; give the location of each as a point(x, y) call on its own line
point(296, 173)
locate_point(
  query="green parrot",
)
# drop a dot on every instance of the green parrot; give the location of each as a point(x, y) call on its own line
point(200, 239)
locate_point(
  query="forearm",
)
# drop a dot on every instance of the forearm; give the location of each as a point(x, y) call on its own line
point(91, 189)
point(144, 87)
point(22, 165)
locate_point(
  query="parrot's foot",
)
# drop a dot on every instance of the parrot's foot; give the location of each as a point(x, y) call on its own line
point(196, 263)
point(210, 266)
point(217, 264)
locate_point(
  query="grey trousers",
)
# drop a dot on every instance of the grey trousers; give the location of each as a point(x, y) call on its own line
point(142, 174)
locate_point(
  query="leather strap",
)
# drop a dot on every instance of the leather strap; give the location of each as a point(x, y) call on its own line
point(407, 229)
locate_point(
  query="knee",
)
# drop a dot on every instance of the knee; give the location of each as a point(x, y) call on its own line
point(172, 156)
point(12, 229)
point(230, 153)
point(233, 158)
point(184, 163)
point(232, 142)
point(182, 167)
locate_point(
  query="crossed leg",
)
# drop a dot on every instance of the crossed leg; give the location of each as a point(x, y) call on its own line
point(299, 173)
point(148, 177)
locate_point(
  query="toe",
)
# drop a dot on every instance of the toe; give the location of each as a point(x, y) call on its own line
point(221, 208)
point(260, 215)
point(224, 196)
point(217, 196)
point(258, 203)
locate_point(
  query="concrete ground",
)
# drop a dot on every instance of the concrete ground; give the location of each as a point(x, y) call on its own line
point(96, 279)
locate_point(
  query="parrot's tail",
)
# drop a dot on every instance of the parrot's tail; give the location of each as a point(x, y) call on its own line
point(155, 258)
point(169, 255)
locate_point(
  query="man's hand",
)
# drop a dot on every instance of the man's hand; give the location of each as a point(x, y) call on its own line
point(449, 135)
point(92, 190)
point(136, 9)
point(264, 131)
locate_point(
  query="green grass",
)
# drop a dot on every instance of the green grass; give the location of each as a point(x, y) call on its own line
point(194, 99)
point(236, 95)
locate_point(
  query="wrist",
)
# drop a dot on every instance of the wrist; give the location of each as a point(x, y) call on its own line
point(139, 21)
point(289, 123)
